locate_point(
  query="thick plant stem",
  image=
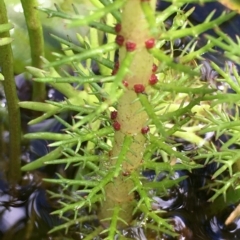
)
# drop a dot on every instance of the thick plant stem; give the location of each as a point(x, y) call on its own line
point(131, 116)
point(6, 65)
point(36, 43)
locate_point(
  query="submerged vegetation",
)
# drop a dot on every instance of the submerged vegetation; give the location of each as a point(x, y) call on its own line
point(143, 110)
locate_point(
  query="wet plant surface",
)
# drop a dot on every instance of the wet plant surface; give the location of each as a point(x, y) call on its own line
point(25, 209)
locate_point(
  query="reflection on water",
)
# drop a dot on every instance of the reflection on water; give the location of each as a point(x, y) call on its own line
point(25, 212)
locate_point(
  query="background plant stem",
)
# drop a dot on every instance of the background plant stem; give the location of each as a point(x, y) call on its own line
point(131, 116)
point(36, 44)
point(6, 65)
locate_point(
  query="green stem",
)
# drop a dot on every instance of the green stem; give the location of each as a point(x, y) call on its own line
point(36, 43)
point(132, 118)
point(6, 64)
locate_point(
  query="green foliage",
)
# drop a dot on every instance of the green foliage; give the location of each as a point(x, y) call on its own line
point(7, 78)
point(6, 40)
point(179, 105)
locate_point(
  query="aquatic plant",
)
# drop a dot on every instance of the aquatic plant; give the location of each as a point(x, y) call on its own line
point(151, 89)
point(7, 77)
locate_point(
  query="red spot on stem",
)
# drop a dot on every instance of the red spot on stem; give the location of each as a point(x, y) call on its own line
point(114, 115)
point(125, 83)
point(145, 130)
point(119, 40)
point(114, 71)
point(153, 79)
point(139, 88)
point(150, 43)
point(130, 46)
point(116, 126)
point(118, 27)
point(154, 68)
